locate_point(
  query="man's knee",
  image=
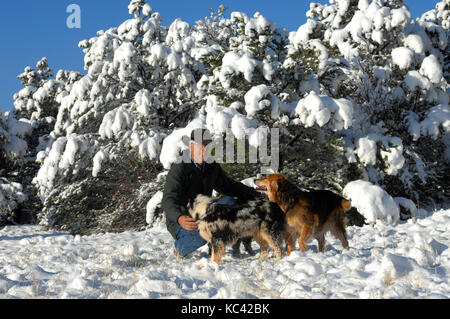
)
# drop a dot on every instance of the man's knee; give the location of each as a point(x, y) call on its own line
point(188, 241)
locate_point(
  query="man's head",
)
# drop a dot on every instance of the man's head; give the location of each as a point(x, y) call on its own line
point(200, 138)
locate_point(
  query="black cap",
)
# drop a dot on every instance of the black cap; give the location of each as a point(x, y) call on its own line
point(201, 136)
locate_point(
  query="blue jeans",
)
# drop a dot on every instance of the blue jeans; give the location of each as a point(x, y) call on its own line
point(189, 241)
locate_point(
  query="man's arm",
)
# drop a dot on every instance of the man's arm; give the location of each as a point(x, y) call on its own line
point(229, 187)
point(173, 190)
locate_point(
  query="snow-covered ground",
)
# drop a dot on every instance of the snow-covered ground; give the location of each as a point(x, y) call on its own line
point(409, 260)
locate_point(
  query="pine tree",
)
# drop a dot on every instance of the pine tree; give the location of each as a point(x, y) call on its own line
point(12, 158)
point(139, 84)
point(386, 57)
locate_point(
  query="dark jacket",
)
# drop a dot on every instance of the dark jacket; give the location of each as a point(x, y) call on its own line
point(186, 180)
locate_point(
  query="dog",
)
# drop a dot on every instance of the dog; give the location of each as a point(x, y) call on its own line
point(308, 213)
point(222, 225)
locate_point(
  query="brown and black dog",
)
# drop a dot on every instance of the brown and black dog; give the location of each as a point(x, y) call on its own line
point(308, 213)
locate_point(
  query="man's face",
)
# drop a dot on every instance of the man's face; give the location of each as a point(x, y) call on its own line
point(197, 152)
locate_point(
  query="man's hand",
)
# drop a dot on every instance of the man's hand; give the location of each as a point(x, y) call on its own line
point(187, 222)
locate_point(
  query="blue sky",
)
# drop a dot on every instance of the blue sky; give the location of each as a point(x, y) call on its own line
point(30, 29)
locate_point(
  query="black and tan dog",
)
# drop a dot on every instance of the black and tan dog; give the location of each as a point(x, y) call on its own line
point(223, 225)
point(311, 213)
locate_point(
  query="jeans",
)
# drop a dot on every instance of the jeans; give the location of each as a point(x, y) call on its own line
point(189, 241)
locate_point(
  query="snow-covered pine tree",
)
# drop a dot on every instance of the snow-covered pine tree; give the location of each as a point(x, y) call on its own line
point(139, 85)
point(28, 127)
point(13, 148)
point(393, 71)
point(34, 80)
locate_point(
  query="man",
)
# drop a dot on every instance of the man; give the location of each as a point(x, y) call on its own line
point(185, 181)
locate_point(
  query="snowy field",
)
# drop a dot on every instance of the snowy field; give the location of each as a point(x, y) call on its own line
point(409, 260)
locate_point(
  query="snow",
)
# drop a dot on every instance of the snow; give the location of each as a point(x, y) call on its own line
point(378, 36)
point(394, 158)
point(432, 69)
point(414, 80)
point(47, 173)
point(258, 24)
point(437, 117)
point(173, 144)
point(232, 62)
point(17, 147)
point(367, 150)
point(258, 136)
point(74, 146)
point(143, 100)
point(173, 61)
point(235, 63)
point(158, 51)
point(321, 109)
point(258, 98)
point(60, 160)
point(150, 147)
point(416, 43)
point(372, 202)
point(218, 118)
point(147, 10)
point(16, 130)
point(123, 59)
point(99, 158)
point(235, 15)
point(152, 204)
point(240, 126)
point(403, 57)
point(11, 194)
point(134, 7)
point(178, 30)
point(303, 32)
point(26, 92)
point(408, 204)
point(360, 24)
point(323, 57)
point(408, 260)
point(114, 122)
point(400, 16)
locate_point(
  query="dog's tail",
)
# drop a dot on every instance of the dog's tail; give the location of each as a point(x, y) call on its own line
point(345, 204)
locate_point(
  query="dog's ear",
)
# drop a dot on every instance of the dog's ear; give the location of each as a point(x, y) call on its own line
point(283, 182)
point(191, 208)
